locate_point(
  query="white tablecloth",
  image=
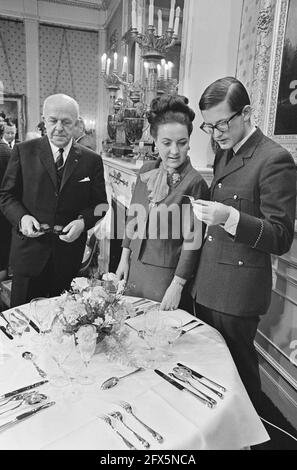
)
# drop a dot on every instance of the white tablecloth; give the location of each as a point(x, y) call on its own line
point(184, 422)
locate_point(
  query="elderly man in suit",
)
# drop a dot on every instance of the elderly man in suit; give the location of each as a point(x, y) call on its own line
point(250, 216)
point(51, 182)
point(5, 227)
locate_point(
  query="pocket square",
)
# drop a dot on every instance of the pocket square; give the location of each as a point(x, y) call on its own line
point(84, 180)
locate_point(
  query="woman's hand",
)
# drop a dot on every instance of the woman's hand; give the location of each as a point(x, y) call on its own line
point(172, 296)
point(122, 271)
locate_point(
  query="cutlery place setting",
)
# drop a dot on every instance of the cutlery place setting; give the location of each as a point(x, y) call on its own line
point(16, 323)
point(117, 421)
point(182, 375)
point(24, 402)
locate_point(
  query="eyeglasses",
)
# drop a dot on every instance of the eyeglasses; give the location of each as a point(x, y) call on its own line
point(221, 126)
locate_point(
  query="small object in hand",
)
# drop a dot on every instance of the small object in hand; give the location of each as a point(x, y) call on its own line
point(44, 228)
point(58, 229)
point(192, 199)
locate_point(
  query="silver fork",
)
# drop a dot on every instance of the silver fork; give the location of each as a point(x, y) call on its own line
point(119, 416)
point(109, 422)
point(127, 407)
point(20, 396)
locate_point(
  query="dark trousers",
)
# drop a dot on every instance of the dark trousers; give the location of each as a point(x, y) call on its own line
point(50, 283)
point(239, 334)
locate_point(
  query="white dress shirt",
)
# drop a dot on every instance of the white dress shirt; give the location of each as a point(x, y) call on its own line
point(56, 153)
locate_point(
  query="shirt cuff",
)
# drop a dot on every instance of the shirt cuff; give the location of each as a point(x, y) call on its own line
point(231, 223)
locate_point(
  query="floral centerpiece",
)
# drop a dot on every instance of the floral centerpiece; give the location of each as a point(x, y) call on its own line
point(97, 303)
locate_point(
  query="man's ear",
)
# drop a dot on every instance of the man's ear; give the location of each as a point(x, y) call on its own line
point(247, 112)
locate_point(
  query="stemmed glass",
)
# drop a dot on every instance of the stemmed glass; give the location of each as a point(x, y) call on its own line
point(153, 335)
point(18, 323)
point(60, 347)
point(172, 331)
point(40, 312)
point(86, 343)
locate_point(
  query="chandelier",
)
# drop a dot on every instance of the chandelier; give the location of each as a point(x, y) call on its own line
point(127, 123)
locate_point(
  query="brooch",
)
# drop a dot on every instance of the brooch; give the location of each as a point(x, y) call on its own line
point(174, 179)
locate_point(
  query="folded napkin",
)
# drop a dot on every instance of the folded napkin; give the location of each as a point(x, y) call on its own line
point(137, 323)
point(177, 431)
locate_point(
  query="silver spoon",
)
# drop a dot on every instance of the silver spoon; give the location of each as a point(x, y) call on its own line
point(30, 399)
point(188, 374)
point(29, 356)
point(112, 381)
point(182, 378)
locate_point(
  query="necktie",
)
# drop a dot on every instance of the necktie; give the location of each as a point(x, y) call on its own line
point(59, 163)
point(10, 145)
point(229, 156)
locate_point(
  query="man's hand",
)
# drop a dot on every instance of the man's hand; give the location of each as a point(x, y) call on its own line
point(30, 227)
point(72, 231)
point(211, 213)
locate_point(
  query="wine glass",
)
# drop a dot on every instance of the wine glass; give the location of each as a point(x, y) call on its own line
point(40, 313)
point(152, 334)
point(86, 343)
point(172, 331)
point(18, 323)
point(60, 346)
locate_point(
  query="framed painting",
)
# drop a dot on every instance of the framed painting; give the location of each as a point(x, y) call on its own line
point(13, 107)
point(281, 113)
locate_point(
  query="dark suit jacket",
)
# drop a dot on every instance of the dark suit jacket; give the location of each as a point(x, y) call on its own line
point(163, 244)
point(30, 187)
point(5, 227)
point(87, 141)
point(234, 275)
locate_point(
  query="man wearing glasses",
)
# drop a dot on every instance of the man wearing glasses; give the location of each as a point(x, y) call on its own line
point(250, 216)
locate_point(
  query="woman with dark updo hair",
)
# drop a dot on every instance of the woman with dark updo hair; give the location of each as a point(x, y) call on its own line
point(163, 237)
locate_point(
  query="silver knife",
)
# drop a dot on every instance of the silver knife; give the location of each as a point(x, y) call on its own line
point(184, 389)
point(23, 389)
point(26, 415)
point(31, 322)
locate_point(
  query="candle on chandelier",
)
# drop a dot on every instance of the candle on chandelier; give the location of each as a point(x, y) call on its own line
point(103, 63)
point(146, 69)
point(125, 66)
point(159, 23)
point(163, 62)
point(134, 24)
point(158, 71)
point(108, 66)
point(171, 14)
point(139, 18)
point(176, 22)
point(151, 13)
point(166, 72)
point(170, 66)
point(115, 62)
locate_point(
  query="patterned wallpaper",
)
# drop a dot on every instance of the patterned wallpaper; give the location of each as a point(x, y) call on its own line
point(12, 56)
point(69, 64)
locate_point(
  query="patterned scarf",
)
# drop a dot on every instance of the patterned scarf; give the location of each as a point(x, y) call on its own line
point(161, 179)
